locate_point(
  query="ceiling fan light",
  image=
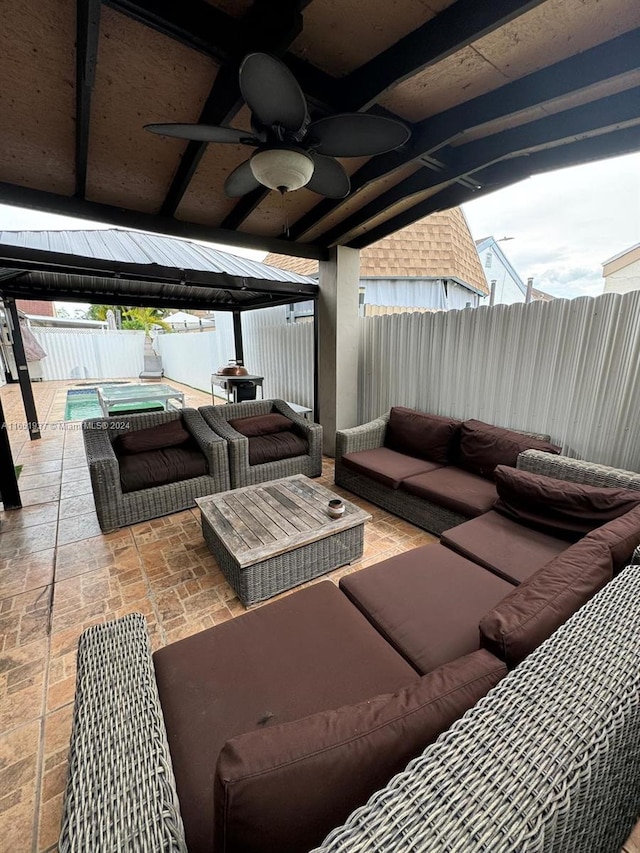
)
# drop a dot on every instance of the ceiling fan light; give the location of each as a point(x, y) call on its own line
point(284, 169)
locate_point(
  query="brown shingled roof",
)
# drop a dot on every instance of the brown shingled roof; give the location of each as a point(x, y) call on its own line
point(438, 246)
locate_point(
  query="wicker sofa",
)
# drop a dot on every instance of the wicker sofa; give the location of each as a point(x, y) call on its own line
point(117, 508)
point(242, 472)
point(557, 739)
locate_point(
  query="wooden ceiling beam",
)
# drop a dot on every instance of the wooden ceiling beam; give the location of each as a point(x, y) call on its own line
point(87, 34)
point(604, 62)
point(507, 172)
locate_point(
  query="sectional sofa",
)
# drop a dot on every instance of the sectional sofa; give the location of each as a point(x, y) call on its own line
point(279, 723)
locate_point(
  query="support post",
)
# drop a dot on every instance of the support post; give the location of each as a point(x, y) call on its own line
point(492, 294)
point(23, 370)
point(9, 491)
point(237, 336)
point(338, 342)
point(529, 294)
point(316, 361)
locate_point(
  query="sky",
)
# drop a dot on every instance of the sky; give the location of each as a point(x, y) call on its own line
point(564, 224)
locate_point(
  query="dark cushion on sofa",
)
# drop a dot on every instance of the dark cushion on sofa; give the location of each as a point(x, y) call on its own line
point(272, 448)
point(420, 434)
point(261, 424)
point(308, 652)
point(503, 546)
point(160, 467)
point(457, 490)
point(622, 536)
point(533, 610)
point(564, 509)
point(386, 466)
point(427, 602)
point(169, 434)
point(285, 788)
point(484, 446)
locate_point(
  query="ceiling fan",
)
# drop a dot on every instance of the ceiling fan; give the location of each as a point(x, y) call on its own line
point(291, 151)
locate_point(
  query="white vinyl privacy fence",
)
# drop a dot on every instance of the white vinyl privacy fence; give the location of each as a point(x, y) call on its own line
point(570, 368)
point(90, 353)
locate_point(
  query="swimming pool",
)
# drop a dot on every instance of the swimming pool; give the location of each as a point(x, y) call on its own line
point(83, 403)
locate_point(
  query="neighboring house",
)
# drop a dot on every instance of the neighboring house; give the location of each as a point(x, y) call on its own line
point(36, 306)
point(185, 321)
point(622, 272)
point(431, 264)
point(509, 287)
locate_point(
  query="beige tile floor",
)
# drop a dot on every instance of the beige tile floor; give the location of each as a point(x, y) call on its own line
point(59, 574)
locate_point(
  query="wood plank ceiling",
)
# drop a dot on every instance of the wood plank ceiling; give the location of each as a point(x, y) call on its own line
point(493, 92)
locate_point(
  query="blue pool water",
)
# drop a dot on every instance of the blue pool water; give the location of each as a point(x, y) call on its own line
point(83, 403)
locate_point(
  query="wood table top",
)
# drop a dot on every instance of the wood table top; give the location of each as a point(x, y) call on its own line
point(262, 521)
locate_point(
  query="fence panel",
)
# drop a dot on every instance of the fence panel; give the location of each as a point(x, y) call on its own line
point(90, 353)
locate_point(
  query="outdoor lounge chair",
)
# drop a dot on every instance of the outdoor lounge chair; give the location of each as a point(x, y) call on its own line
point(152, 367)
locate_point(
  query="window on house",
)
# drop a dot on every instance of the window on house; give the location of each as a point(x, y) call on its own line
point(488, 259)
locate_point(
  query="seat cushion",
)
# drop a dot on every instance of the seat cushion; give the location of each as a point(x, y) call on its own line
point(455, 489)
point(420, 434)
point(484, 446)
point(311, 651)
point(622, 537)
point(387, 466)
point(169, 434)
point(563, 509)
point(532, 611)
point(272, 448)
point(261, 424)
point(503, 546)
point(426, 602)
point(285, 788)
point(160, 467)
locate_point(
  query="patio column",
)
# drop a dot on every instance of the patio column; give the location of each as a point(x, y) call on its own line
point(237, 336)
point(338, 343)
point(9, 492)
point(23, 370)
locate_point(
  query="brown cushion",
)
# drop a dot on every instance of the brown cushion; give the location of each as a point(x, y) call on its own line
point(427, 602)
point(503, 546)
point(386, 466)
point(533, 610)
point(483, 446)
point(569, 510)
point(159, 467)
point(261, 424)
point(284, 789)
point(310, 651)
point(272, 448)
point(457, 490)
point(622, 536)
point(419, 434)
point(169, 434)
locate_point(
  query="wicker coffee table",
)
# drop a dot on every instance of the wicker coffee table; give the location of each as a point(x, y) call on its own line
point(276, 535)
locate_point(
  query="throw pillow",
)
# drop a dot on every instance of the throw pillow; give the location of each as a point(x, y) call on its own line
point(169, 434)
point(261, 425)
point(484, 446)
point(622, 536)
point(564, 509)
point(420, 434)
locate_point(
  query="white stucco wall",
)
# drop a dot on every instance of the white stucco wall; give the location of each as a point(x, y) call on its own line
point(624, 280)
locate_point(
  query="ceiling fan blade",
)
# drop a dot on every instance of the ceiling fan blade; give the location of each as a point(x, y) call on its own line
point(329, 178)
point(241, 181)
point(272, 92)
point(356, 135)
point(203, 133)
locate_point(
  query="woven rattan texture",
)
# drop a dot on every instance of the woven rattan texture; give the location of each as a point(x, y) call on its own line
point(243, 474)
point(548, 761)
point(117, 509)
point(576, 470)
point(121, 792)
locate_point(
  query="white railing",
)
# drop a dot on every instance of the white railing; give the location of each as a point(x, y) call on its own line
point(90, 353)
point(570, 368)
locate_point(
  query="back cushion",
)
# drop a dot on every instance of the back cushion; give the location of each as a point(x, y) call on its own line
point(567, 510)
point(170, 434)
point(284, 788)
point(483, 447)
point(532, 612)
point(261, 425)
point(622, 536)
point(419, 434)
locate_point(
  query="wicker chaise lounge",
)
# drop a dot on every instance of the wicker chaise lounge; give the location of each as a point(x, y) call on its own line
point(116, 508)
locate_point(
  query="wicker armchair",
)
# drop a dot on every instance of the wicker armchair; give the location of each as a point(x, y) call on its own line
point(243, 474)
point(116, 508)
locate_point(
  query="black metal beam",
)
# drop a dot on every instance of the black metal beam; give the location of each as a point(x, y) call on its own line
point(9, 491)
point(508, 172)
point(23, 371)
point(87, 33)
point(463, 161)
point(237, 337)
point(108, 214)
point(604, 62)
point(452, 29)
point(316, 362)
